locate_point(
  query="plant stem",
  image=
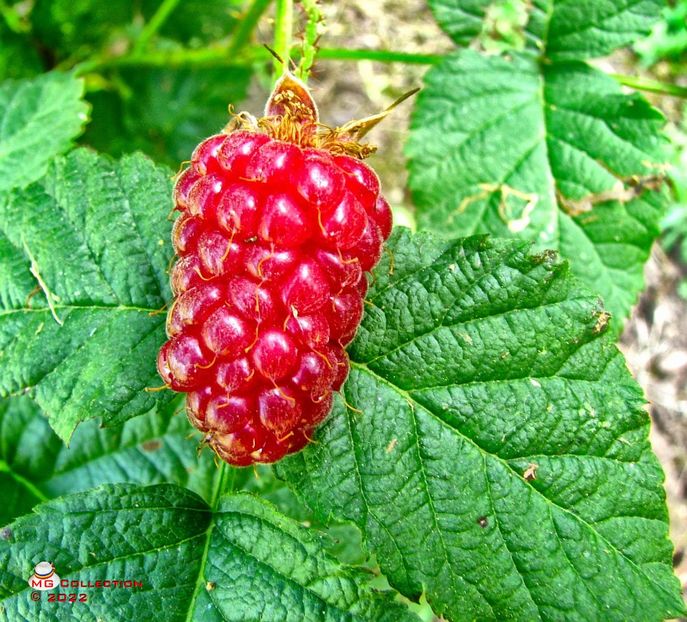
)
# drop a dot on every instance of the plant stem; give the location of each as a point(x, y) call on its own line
point(283, 31)
point(652, 86)
point(219, 56)
point(310, 37)
point(224, 483)
point(246, 26)
point(155, 23)
point(382, 56)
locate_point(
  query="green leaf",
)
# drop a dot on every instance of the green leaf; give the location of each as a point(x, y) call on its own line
point(197, 21)
point(242, 561)
point(38, 119)
point(165, 113)
point(77, 27)
point(83, 259)
point(18, 57)
point(558, 29)
point(151, 449)
point(495, 452)
point(510, 147)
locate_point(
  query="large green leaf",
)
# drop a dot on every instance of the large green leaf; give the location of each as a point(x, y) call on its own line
point(83, 260)
point(151, 449)
point(557, 28)
point(238, 561)
point(38, 119)
point(495, 451)
point(554, 153)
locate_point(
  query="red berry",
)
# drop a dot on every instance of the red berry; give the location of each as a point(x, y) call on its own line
point(319, 181)
point(274, 161)
point(311, 330)
point(314, 375)
point(284, 221)
point(369, 247)
point(237, 149)
point(204, 195)
point(183, 186)
point(280, 410)
point(381, 214)
point(367, 186)
point(226, 333)
point(343, 226)
point(204, 158)
point(218, 254)
point(185, 362)
point(228, 413)
point(268, 264)
point(185, 233)
point(345, 313)
point(186, 274)
point(306, 289)
point(236, 374)
point(279, 221)
point(252, 300)
point(275, 354)
point(191, 307)
point(238, 210)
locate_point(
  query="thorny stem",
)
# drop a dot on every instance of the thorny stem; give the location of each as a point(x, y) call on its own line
point(382, 56)
point(310, 36)
point(155, 23)
point(283, 31)
point(219, 56)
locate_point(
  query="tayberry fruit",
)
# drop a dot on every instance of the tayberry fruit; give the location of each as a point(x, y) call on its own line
point(279, 220)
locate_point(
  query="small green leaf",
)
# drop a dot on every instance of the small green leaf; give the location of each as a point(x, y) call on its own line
point(77, 27)
point(83, 259)
point(495, 452)
point(504, 146)
point(18, 56)
point(151, 449)
point(38, 120)
point(166, 113)
point(558, 29)
point(197, 21)
point(195, 563)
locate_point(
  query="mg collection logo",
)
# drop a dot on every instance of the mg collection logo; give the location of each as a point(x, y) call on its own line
point(44, 578)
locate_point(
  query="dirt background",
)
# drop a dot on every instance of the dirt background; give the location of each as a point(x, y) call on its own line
point(655, 339)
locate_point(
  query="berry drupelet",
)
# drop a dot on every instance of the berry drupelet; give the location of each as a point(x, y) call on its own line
point(279, 220)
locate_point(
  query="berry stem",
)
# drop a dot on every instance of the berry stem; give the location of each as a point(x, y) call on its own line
point(155, 23)
point(310, 37)
point(283, 32)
